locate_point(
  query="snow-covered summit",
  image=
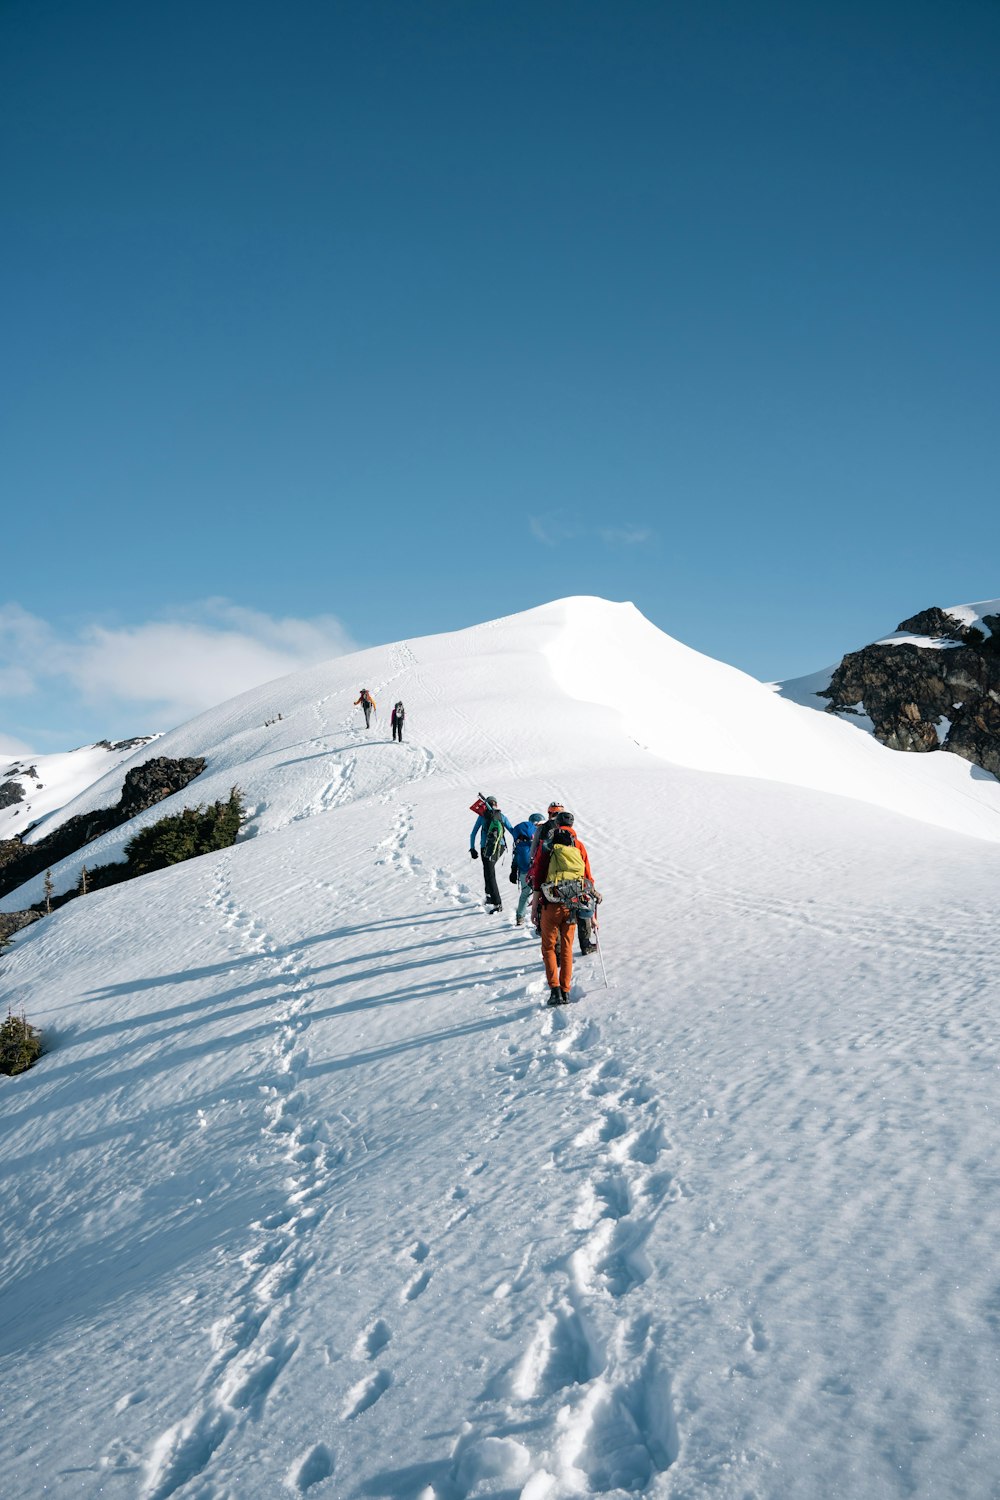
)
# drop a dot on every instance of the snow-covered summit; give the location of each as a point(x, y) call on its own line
point(312, 1196)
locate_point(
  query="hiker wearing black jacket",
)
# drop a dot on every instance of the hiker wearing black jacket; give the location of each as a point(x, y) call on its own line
point(490, 825)
point(396, 720)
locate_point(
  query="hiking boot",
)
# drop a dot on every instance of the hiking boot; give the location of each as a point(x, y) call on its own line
point(555, 996)
point(565, 997)
point(588, 950)
point(518, 921)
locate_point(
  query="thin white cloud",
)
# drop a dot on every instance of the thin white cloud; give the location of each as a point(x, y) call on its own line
point(549, 533)
point(625, 536)
point(172, 668)
point(11, 750)
point(552, 530)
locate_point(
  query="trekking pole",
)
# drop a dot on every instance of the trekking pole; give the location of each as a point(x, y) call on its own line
point(600, 953)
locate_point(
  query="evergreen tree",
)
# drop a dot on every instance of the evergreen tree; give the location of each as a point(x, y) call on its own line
point(20, 1044)
point(183, 835)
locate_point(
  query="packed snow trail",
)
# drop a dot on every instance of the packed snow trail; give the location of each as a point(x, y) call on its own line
point(314, 1196)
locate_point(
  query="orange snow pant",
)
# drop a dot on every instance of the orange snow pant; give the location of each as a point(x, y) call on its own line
point(558, 925)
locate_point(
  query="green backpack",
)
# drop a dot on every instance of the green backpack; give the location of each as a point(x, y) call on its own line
point(494, 835)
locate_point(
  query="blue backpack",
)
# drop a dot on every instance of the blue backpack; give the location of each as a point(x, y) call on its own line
point(523, 834)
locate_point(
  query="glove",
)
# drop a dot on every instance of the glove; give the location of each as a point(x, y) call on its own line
point(473, 853)
point(512, 877)
point(598, 897)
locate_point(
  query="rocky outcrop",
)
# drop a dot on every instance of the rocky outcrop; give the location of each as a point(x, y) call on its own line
point(944, 695)
point(10, 792)
point(13, 921)
point(132, 744)
point(145, 785)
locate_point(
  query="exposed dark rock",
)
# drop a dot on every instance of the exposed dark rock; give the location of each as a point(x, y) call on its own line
point(939, 625)
point(10, 849)
point(11, 792)
point(155, 779)
point(927, 698)
point(13, 921)
point(975, 734)
point(133, 744)
point(145, 785)
point(991, 646)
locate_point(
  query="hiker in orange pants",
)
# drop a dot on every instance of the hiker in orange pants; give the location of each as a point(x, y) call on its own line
point(558, 927)
point(560, 873)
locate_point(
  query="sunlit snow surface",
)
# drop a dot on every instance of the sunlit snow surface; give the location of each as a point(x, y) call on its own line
point(312, 1195)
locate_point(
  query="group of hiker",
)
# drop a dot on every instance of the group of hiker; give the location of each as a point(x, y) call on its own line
point(367, 705)
point(551, 867)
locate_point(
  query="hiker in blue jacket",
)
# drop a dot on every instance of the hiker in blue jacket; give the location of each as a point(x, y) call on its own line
point(490, 825)
point(524, 834)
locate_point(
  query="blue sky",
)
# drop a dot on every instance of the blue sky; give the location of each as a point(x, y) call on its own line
point(336, 323)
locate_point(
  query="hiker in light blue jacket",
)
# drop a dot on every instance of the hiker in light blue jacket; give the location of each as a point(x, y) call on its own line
point(490, 825)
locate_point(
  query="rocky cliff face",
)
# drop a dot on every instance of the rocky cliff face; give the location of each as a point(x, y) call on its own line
point(144, 786)
point(936, 688)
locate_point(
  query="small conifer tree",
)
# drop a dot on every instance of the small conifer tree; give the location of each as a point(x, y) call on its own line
point(20, 1044)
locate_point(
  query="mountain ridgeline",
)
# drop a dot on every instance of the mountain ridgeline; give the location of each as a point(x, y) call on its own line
point(940, 691)
point(144, 786)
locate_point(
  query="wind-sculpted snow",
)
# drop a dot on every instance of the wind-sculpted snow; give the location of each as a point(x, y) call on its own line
point(313, 1196)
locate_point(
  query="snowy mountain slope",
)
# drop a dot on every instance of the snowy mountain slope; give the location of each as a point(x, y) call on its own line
point(48, 782)
point(666, 698)
point(311, 1196)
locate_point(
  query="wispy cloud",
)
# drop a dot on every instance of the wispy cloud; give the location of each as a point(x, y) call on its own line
point(552, 530)
point(171, 668)
point(540, 531)
point(625, 536)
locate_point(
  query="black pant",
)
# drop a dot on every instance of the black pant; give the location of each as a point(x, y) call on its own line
point(490, 881)
point(397, 730)
point(368, 713)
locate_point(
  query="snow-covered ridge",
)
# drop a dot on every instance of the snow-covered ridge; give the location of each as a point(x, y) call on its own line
point(48, 782)
point(657, 696)
point(312, 1196)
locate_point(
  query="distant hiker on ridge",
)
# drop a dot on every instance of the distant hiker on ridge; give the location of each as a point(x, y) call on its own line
point(490, 824)
point(396, 720)
point(521, 862)
point(560, 874)
point(367, 705)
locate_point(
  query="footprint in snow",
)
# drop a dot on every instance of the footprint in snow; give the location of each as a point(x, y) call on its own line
point(417, 1287)
point(373, 1340)
point(312, 1468)
point(648, 1144)
point(364, 1395)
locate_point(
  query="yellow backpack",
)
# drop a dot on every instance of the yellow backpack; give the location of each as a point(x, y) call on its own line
point(565, 863)
point(564, 881)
